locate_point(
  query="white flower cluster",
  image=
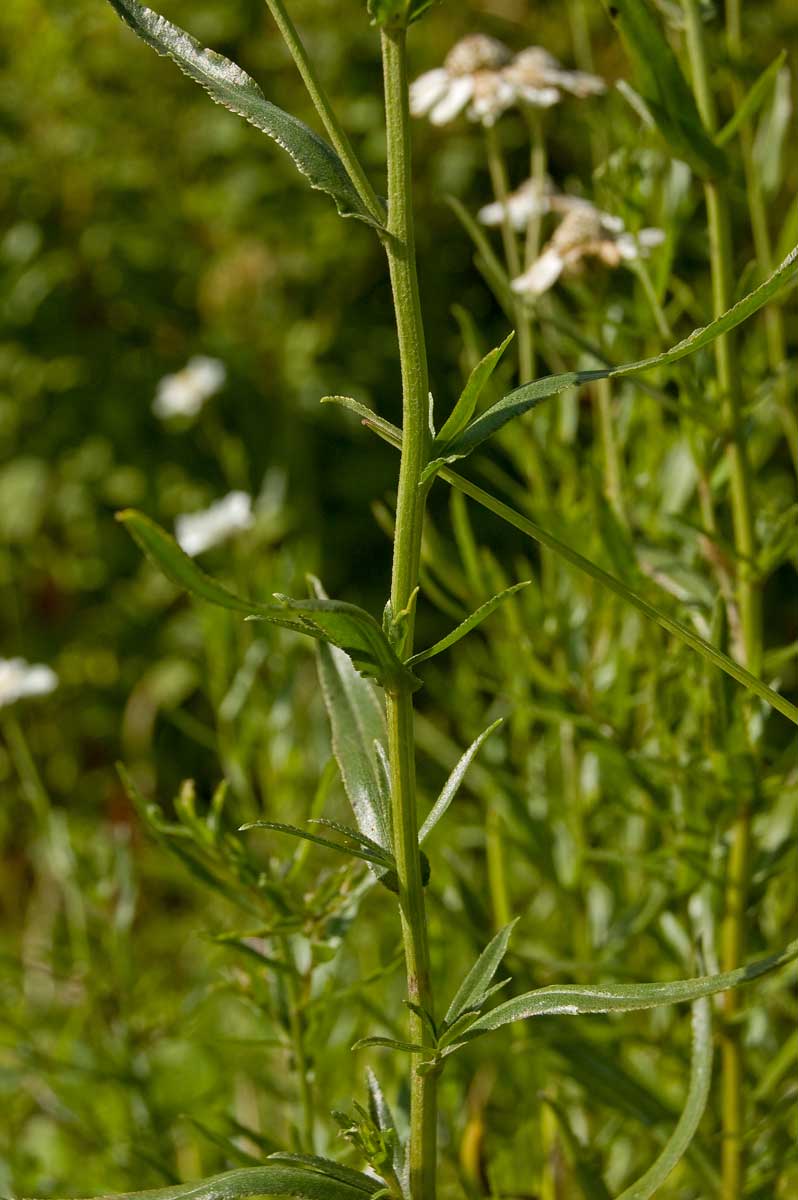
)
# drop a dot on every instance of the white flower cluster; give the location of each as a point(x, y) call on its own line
point(19, 678)
point(185, 393)
point(584, 232)
point(199, 531)
point(482, 75)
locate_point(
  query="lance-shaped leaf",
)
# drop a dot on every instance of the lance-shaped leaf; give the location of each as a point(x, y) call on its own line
point(573, 999)
point(472, 992)
point(449, 790)
point(230, 86)
point(392, 1044)
point(306, 1182)
point(753, 100)
point(526, 397)
point(346, 626)
point(328, 1168)
point(393, 435)
point(664, 88)
point(463, 410)
point(383, 1118)
point(687, 1125)
point(352, 630)
point(357, 719)
point(476, 618)
point(364, 848)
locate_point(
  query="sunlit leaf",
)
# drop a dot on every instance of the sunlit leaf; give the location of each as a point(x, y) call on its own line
point(452, 784)
point(302, 1183)
point(380, 860)
point(463, 410)
point(472, 991)
point(573, 999)
point(471, 622)
point(230, 86)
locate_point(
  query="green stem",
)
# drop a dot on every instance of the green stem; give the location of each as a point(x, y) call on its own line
point(749, 602)
point(31, 781)
point(335, 130)
point(411, 497)
point(512, 256)
point(757, 207)
point(611, 459)
point(296, 1028)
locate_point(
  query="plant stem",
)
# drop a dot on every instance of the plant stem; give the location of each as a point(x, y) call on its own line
point(411, 497)
point(31, 781)
point(335, 130)
point(749, 602)
point(501, 188)
point(296, 1023)
point(773, 315)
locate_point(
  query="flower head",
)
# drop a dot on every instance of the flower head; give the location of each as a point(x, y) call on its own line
point(534, 198)
point(184, 393)
point(19, 678)
point(199, 531)
point(584, 232)
point(481, 74)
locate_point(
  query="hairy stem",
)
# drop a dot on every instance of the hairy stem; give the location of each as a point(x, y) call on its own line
point(335, 130)
point(749, 602)
point(400, 248)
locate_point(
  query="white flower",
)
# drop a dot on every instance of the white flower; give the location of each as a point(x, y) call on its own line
point(584, 232)
point(19, 678)
point(196, 532)
point(481, 73)
point(532, 199)
point(185, 393)
point(472, 67)
point(540, 79)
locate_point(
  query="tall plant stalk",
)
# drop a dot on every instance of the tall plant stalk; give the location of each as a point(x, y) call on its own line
point(400, 248)
point(749, 603)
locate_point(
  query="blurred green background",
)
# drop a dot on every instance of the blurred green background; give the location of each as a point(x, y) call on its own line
point(142, 225)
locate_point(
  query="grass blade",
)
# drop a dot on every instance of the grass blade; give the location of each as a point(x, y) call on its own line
point(697, 1096)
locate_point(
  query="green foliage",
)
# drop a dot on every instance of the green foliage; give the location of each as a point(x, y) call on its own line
point(227, 84)
point(180, 999)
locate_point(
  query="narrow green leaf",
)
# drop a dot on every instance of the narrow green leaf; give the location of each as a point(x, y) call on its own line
point(357, 719)
point(471, 992)
point(352, 630)
point(391, 1044)
point(164, 551)
point(476, 618)
point(684, 634)
point(572, 999)
point(463, 410)
point(449, 790)
point(529, 395)
point(383, 1118)
point(393, 435)
point(328, 1168)
point(228, 85)
point(697, 1096)
point(264, 1180)
point(664, 88)
point(382, 860)
point(355, 834)
point(753, 100)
